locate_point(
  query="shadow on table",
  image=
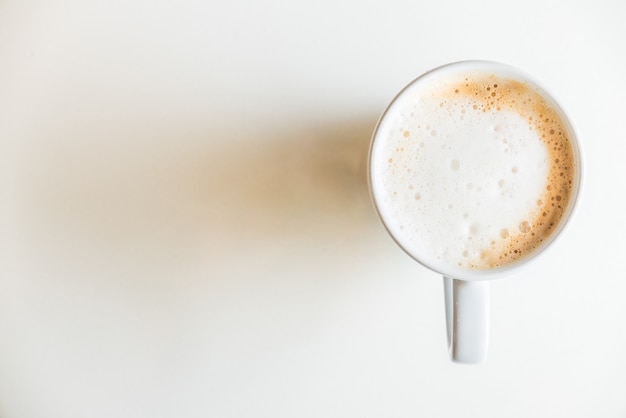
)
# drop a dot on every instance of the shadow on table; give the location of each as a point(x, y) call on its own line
point(135, 197)
point(302, 181)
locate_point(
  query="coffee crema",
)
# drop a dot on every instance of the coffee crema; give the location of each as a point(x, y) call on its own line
point(473, 169)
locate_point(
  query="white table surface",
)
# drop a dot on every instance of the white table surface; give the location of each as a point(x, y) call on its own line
point(185, 229)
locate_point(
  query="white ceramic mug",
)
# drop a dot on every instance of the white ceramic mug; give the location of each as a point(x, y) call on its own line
point(467, 291)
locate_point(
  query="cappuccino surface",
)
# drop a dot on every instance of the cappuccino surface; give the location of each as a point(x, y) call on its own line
point(472, 169)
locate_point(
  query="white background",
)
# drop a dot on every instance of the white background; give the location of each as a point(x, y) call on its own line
point(185, 229)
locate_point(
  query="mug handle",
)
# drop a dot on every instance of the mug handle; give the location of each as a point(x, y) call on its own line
point(467, 319)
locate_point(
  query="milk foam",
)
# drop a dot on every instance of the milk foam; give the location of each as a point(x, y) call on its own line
point(465, 174)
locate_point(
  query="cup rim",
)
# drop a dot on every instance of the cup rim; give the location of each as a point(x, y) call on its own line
point(516, 266)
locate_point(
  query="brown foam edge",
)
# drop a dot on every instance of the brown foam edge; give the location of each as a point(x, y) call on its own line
point(489, 93)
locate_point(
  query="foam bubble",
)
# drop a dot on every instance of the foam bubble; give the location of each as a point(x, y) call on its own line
point(524, 227)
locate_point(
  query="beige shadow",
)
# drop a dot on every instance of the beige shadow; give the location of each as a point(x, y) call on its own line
point(163, 197)
point(306, 180)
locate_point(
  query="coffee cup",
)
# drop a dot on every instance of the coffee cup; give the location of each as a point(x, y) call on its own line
point(474, 170)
